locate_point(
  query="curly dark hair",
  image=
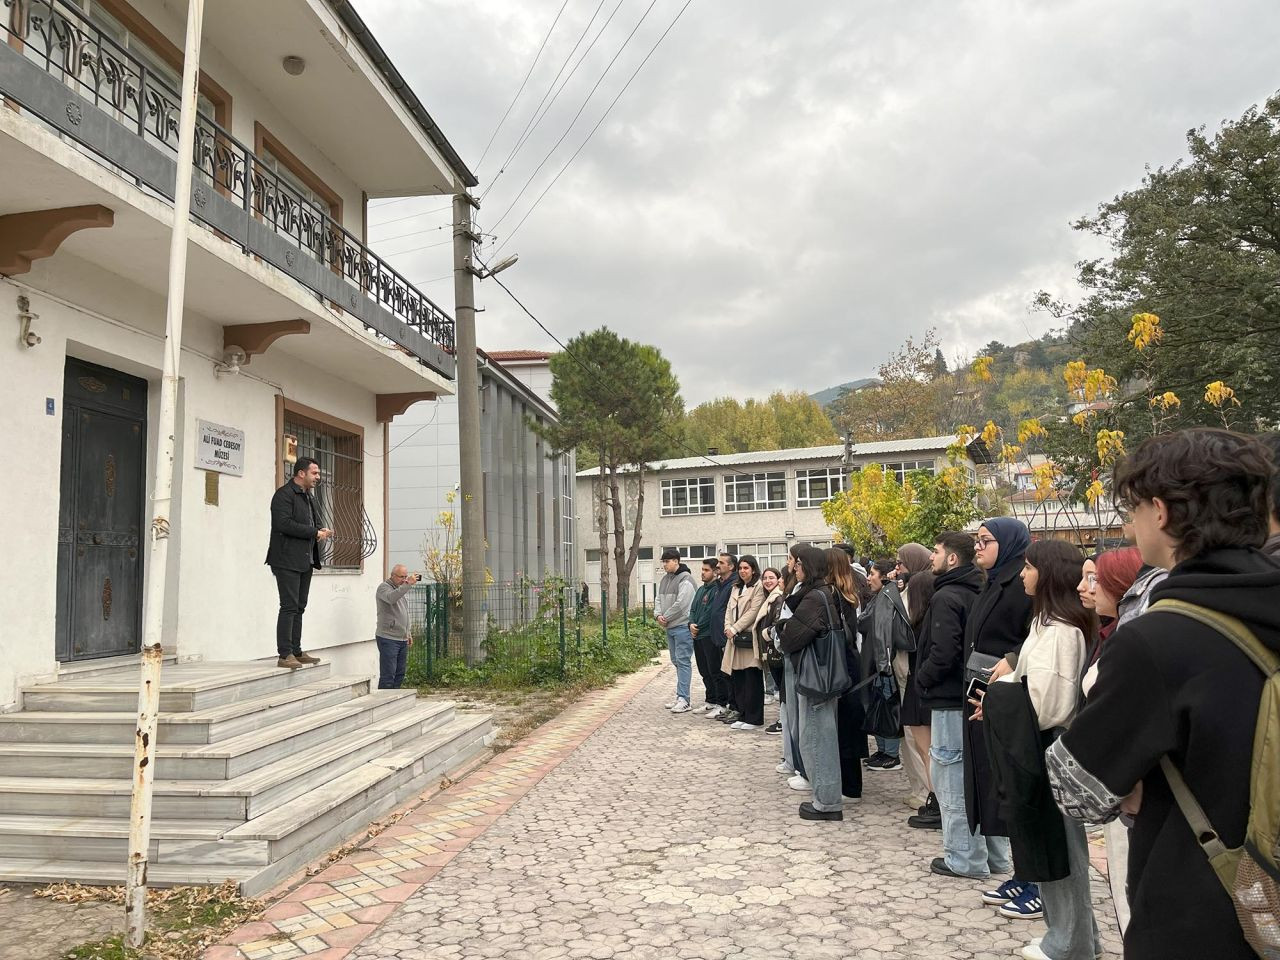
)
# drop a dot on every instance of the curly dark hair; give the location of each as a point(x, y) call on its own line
point(1272, 442)
point(1214, 484)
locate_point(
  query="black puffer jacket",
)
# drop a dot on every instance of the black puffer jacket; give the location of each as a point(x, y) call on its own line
point(940, 640)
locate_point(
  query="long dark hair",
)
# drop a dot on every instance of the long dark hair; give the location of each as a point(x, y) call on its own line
point(840, 575)
point(1058, 564)
point(814, 562)
point(754, 564)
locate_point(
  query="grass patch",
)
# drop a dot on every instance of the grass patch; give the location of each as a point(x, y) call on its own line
point(182, 921)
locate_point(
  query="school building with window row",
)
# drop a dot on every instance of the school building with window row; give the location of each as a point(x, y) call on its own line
point(758, 503)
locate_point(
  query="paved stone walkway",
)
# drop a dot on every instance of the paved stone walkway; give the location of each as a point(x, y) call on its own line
point(619, 830)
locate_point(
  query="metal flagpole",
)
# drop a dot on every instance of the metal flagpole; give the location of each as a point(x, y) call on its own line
point(144, 752)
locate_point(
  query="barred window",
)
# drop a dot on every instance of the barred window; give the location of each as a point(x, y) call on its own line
point(816, 487)
point(759, 491)
point(686, 495)
point(339, 496)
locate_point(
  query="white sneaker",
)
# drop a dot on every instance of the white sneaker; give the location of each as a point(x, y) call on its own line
point(785, 768)
point(668, 705)
point(714, 712)
point(850, 799)
point(737, 725)
point(798, 783)
point(754, 727)
point(680, 706)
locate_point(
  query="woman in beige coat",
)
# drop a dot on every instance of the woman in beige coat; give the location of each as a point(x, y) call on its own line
point(740, 658)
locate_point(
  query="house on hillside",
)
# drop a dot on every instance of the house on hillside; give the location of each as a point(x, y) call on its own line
point(529, 522)
point(297, 341)
point(758, 503)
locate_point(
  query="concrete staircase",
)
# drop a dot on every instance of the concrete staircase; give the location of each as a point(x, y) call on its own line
point(259, 771)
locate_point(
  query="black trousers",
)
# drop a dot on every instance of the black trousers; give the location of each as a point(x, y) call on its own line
point(748, 695)
point(707, 656)
point(294, 587)
point(850, 718)
point(779, 681)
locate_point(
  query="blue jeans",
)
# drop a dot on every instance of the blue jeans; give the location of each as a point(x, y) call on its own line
point(680, 647)
point(820, 750)
point(967, 853)
point(392, 657)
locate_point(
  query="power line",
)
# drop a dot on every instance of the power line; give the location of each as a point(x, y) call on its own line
point(410, 216)
point(602, 119)
point(523, 82)
point(574, 121)
point(536, 118)
point(605, 383)
point(429, 246)
point(412, 233)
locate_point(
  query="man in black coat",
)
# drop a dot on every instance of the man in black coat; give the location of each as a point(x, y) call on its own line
point(727, 569)
point(939, 682)
point(1170, 686)
point(293, 555)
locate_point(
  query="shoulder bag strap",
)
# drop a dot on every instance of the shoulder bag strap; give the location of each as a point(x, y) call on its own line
point(1266, 661)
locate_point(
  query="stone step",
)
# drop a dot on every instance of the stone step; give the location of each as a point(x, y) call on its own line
point(242, 798)
point(184, 688)
point(95, 838)
point(224, 760)
point(103, 874)
point(259, 853)
point(203, 726)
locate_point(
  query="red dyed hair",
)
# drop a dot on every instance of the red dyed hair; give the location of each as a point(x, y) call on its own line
point(1117, 569)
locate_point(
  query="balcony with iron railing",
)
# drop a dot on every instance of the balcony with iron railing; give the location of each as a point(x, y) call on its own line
point(66, 71)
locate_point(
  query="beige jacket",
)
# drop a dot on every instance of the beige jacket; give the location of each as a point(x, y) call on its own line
point(740, 617)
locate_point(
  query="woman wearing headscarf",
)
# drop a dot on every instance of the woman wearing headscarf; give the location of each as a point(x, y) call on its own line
point(998, 625)
point(915, 566)
point(740, 661)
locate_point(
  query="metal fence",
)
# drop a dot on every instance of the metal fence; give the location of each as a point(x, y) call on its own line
point(535, 632)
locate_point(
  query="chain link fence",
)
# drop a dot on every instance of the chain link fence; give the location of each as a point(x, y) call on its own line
point(536, 633)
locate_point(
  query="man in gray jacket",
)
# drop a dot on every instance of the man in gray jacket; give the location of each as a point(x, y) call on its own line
point(671, 608)
point(392, 634)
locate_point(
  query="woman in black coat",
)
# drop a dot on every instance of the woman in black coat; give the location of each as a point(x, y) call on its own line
point(997, 625)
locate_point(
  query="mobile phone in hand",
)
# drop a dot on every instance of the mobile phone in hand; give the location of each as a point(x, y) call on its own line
point(976, 686)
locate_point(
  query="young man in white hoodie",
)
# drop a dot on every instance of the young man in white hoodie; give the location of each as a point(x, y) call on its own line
point(671, 608)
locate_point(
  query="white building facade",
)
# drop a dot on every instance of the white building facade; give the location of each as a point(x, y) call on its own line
point(748, 503)
point(297, 341)
point(529, 521)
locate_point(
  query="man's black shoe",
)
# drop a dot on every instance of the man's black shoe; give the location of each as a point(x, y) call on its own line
point(939, 866)
point(875, 760)
point(807, 812)
point(924, 822)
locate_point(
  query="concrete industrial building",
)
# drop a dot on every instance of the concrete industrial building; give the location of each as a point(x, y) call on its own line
point(529, 517)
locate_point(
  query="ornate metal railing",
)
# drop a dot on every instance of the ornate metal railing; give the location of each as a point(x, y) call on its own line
point(60, 39)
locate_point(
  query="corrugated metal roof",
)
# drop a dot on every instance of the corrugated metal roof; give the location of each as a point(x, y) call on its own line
point(828, 452)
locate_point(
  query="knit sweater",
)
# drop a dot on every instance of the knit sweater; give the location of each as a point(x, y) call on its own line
point(1051, 660)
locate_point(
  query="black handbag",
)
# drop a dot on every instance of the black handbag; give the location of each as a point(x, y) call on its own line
point(822, 673)
point(979, 665)
point(743, 641)
point(883, 714)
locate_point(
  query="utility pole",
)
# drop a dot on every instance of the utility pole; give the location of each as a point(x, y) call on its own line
point(847, 460)
point(144, 747)
point(469, 465)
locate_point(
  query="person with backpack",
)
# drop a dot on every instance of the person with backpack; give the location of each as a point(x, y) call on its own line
point(1182, 728)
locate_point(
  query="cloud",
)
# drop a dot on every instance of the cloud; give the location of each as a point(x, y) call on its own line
point(787, 191)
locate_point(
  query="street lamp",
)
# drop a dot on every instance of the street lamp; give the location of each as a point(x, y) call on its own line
point(496, 269)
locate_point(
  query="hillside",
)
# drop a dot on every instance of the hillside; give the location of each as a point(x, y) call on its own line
point(824, 397)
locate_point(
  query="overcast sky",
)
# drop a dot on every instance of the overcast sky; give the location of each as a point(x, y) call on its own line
point(788, 189)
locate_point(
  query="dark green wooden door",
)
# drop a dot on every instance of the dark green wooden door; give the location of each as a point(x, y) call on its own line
point(100, 517)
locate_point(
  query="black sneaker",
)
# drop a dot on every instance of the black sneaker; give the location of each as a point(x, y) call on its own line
point(731, 716)
point(875, 759)
point(888, 763)
point(775, 727)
